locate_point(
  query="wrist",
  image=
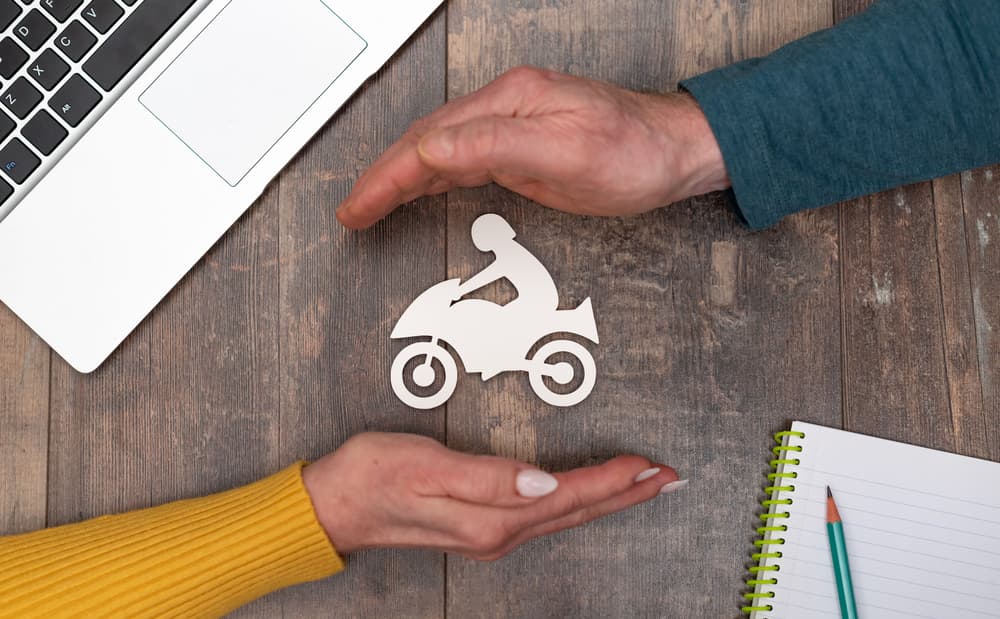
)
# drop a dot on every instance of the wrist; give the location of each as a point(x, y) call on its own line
point(325, 508)
point(698, 165)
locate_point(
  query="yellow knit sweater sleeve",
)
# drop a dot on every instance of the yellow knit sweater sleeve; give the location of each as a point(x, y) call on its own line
point(197, 558)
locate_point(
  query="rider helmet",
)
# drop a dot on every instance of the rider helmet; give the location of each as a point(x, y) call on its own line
point(490, 231)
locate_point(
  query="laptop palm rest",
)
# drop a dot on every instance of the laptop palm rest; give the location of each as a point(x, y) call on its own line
point(248, 76)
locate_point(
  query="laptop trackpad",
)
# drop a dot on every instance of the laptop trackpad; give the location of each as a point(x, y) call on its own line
point(248, 76)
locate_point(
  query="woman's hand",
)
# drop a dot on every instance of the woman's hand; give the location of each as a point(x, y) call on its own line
point(569, 143)
point(400, 490)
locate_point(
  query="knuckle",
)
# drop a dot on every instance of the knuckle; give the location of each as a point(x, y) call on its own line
point(492, 542)
point(487, 539)
point(580, 518)
point(419, 127)
point(523, 76)
point(526, 79)
point(492, 556)
point(573, 502)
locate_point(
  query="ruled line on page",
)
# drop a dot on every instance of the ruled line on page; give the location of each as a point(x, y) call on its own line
point(802, 467)
point(868, 589)
point(847, 492)
point(865, 544)
point(933, 525)
point(922, 584)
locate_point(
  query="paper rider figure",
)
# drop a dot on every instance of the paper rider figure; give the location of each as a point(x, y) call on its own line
point(491, 338)
point(536, 291)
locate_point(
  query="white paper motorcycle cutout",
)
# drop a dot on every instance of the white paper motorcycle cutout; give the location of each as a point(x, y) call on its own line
point(491, 338)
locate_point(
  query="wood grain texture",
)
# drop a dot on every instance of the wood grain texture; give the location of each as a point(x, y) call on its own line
point(712, 338)
point(24, 426)
point(977, 430)
point(880, 314)
point(341, 293)
point(896, 382)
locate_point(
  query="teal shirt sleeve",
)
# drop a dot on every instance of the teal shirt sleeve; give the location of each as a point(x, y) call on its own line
point(904, 92)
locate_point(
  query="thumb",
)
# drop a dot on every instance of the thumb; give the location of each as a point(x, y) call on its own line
point(489, 480)
point(520, 146)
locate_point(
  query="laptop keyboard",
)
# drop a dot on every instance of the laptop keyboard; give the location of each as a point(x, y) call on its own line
point(59, 59)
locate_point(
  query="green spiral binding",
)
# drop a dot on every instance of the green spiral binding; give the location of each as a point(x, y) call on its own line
point(776, 484)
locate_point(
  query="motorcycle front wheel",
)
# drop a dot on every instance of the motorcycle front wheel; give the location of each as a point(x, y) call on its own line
point(423, 374)
point(540, 369)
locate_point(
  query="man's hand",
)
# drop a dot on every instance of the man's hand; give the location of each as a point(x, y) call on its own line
point(400, 490)
point(569, 143)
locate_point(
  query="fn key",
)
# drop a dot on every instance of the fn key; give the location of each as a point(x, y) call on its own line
point(74, 100)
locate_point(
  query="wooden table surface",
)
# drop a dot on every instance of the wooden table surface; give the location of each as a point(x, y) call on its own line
point(877, 315)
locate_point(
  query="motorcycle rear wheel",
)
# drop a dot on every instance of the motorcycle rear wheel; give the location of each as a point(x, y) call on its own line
point(422, 350)
point(536, 375)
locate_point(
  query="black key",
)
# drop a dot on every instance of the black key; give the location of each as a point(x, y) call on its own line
point(6, 125)
point(5, 191)
point(12, 57)
point(61, 9)
point(102, 14)
point(35, 29)
point(8, 13)
point(17, 161)
point(21, 97)
point(48, 69)
point(75, 41)
point(44, 132)
point(129, 2)
point(129, 43)
point(74, 100)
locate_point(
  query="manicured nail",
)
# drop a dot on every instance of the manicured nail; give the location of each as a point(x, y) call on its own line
point(648, 473)
point(674, 486)
point(438, 145)
point(535, 483)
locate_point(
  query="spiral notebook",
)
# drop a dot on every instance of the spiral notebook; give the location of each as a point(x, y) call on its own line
point(922, 528)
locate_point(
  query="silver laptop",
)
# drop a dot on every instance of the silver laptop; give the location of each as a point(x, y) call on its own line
point(134, 133)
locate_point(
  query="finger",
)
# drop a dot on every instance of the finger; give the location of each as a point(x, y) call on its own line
point(493, 146)
point(665, 482)
point(518, 92)
point(397, 176)
point(585, 488)
point(494, 481)
point(468, 155)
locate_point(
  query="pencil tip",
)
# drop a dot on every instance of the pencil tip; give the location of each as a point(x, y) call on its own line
point(829, 493)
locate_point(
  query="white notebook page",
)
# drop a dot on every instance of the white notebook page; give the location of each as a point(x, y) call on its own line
point(922, 529)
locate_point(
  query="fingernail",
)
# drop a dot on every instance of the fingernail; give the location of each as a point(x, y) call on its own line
point(438, 145)
point(648, 473)
point(535, 483)
point(674, 486)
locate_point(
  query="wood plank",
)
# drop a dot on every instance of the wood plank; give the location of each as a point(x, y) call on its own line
point(895, 373)
point(978, 432)
point(341, 293)
point(965, 387)
point(24, 426)
point(101, 458)
point(713, 337)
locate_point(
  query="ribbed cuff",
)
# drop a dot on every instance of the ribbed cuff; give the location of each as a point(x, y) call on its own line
point(196, 558)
